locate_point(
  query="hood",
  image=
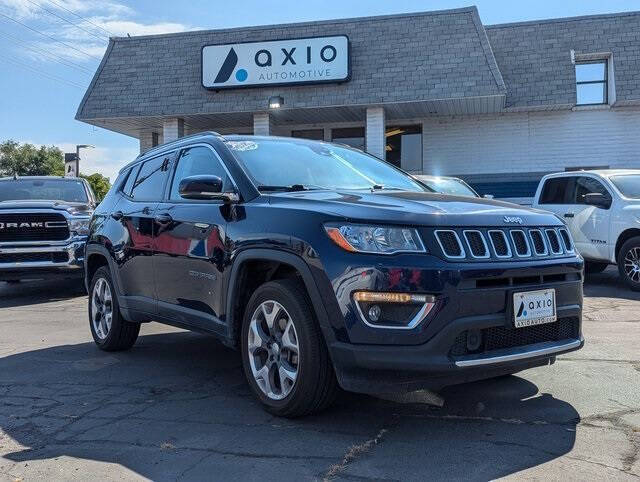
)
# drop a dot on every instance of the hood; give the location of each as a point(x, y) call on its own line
point(414, 208)
point(75, 209)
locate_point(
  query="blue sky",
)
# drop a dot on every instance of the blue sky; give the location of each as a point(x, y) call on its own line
point(43, 77)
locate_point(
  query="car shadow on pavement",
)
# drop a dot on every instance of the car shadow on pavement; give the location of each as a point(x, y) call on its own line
point(34, 292)
point(608, 285)
point(177, 406)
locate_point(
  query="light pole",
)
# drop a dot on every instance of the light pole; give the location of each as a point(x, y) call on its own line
point(78, 147)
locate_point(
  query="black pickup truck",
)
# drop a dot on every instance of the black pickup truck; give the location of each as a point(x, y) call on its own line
point(326, 266)
point(44, 223)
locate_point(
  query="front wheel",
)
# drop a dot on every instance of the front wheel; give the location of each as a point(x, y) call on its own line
point(629, 263)
point(109, 329)
point(284, 355)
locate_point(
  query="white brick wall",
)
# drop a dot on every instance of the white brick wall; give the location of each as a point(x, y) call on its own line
point(531, 142)
point(262, 124)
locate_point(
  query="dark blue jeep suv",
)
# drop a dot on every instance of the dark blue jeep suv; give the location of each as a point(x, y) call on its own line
point(328, 267)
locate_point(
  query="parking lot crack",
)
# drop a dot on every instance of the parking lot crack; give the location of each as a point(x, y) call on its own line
point(354, 452)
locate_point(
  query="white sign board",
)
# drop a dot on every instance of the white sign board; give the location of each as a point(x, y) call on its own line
point(280, 62)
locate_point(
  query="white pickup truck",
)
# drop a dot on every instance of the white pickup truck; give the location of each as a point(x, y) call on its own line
point(602, 210)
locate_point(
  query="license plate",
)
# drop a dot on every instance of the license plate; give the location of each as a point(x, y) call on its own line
point(534, 308)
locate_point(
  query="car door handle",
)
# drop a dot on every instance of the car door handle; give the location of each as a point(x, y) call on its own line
point(164, 218)
point(568, 215)
point(117, 215)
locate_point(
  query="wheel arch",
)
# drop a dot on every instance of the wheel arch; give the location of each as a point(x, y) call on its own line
point(623, 238)
point(280, 265)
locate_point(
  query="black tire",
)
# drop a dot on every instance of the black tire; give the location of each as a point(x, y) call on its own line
point(594, 267)
point(315, 387)
point(122, 333)
point(630, 250)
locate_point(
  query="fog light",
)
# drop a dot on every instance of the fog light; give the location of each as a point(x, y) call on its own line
point(374, 313)
point(474, 340)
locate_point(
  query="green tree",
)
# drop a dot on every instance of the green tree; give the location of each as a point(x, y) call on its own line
point(29, 160)
point(99, 184)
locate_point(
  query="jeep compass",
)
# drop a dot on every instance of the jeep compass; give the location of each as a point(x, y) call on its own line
point(327, 267)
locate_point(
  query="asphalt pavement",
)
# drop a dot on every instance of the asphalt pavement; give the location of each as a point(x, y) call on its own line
point(177, 407)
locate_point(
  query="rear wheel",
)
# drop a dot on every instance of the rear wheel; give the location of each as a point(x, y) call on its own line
point(284, 356)
point(109, 329)
point(629, 263)
point(594, 267)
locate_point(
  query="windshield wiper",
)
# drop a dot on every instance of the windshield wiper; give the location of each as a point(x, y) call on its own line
point(291, 188)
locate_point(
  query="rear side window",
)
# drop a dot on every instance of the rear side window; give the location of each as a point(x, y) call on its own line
point(150, 179)
point(197, 161)
point(586, 185)
point(133, 172)
point(556, 191)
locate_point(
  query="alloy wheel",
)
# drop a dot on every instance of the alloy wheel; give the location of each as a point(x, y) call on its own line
point(101, 308)
point(632, 264)
point(274, 353)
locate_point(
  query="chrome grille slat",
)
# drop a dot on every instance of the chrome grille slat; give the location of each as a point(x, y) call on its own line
point(477, 245)
point(538, 242)
point(520, 241)
point(554, 241)
point(566, 240)
point(446, 238)
point(494, 236)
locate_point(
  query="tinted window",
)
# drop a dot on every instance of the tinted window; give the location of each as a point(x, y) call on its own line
point(586, 185)
point(43, 189)
point(629, 185)
point(130, 180)
point(150, 180)
point(556, 191)
point(198, 161)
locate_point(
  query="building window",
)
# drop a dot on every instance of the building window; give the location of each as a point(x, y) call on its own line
point(591, 82)
point(313, 134)
point(404, 147)
point(351, 136)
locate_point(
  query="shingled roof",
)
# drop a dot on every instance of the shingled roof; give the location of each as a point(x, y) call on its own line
point(398, 58)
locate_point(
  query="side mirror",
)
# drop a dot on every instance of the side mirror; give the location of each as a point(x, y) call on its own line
point(204, 187)
point(597, 199)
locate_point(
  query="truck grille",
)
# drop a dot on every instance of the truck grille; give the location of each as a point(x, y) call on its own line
point(33, 227)
point(500, 337)
point(503, 243)
point(55, 257)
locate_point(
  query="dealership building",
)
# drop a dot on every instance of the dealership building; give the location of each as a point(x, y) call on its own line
point(432, 92)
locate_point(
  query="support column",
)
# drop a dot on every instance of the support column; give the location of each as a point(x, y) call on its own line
point(172, 129)
point(374, 132)
point(146, 140)
point(262, 124)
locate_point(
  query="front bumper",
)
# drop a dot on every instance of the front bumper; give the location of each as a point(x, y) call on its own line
point(470, 298)
point(42, 260)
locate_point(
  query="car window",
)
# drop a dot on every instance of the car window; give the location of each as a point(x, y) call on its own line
point(557, 190)
point(197, 161)
point(69, 190)
point(150, 179)
point(628, 184)
point(449, 186)
point(586, 185)
point(130, 180)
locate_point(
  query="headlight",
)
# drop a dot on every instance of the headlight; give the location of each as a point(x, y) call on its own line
point(79, 226)
point(375, 239)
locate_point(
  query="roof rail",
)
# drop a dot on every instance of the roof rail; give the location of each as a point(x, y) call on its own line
point(180, 139)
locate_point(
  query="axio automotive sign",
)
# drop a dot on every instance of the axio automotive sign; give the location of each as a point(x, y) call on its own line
point(280, 62)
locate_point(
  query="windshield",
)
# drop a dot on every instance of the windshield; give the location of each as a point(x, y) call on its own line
point(449, 186)
point(628, 185)
point(43, 189)
point(316, 165)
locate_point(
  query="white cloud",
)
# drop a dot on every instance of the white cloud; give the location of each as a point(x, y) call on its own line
point(87, 39)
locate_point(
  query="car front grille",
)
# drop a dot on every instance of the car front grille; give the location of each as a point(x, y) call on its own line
point(15, 227)
point(55, 257)
point(500, 337)
point(476, 244)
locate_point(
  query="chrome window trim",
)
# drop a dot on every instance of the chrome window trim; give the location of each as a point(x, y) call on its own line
point(484, 242)
point(566, 249)
point(506, 241)
point(463, 253)
point(526, 240)
point(560, 242)
point(544, 242)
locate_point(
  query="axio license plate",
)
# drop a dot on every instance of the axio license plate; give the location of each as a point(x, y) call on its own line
point(534, 308)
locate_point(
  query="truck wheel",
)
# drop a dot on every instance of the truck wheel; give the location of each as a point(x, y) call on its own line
point(629, 263)
point(284, 355)
point(109, 329)
point(594, 267)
